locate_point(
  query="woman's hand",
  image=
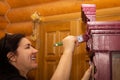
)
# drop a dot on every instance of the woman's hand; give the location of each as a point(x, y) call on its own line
point(69, 43)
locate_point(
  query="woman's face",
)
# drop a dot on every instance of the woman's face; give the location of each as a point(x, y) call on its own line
point(26, 55)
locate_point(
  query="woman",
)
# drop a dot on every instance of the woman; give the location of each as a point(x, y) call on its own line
point(18, 57)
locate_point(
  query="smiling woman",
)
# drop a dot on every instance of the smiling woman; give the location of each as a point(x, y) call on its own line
point(17, 57)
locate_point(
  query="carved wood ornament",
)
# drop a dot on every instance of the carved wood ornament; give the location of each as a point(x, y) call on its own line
point(36, 21)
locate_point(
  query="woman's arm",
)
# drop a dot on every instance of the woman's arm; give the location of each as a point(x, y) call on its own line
point(64, 67)
point(88, 72)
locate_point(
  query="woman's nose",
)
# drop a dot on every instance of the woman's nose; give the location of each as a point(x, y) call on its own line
point(35, 50)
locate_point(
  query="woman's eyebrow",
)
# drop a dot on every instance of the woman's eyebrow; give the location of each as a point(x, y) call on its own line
point(28, 44)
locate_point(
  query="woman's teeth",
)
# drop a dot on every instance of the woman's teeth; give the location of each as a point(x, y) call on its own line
point(33, 58)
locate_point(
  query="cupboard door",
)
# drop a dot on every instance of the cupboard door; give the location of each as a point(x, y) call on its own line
point(115, 65)
point(48, 58)
point(52, 34)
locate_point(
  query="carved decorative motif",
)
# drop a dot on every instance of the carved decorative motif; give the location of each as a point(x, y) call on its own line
point(36, 21)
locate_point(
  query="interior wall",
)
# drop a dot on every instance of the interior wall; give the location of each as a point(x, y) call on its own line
point(15, 14)
point(3, 21)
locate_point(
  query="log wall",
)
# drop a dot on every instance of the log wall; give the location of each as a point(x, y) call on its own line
point(22, 3)
point(15, 14)
point(55, 8)
point(3, 22)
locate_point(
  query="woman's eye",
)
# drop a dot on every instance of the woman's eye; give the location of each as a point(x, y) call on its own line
point(27, 47)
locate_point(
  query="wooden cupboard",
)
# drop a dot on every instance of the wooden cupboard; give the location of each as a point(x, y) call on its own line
point(105, 46)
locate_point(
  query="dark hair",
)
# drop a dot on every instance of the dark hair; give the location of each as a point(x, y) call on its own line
point(9, 43)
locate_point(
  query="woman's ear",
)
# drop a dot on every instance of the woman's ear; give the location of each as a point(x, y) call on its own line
point(11, 56)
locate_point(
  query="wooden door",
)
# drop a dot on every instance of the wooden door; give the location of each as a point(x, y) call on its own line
point(48, 56)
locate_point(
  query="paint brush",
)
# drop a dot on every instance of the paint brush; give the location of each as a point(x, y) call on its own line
point(80, 38)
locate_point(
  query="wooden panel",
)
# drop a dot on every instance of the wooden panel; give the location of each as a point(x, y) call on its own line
point(52, 34)
point(51, 38)
point(52, 54)
point(23, 27)
point(104, 33)
point(50, 67)
point(102, 63)
point(106, 41)
point(24, 13)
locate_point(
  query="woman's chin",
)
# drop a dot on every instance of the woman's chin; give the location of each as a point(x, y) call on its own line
point(34, 66)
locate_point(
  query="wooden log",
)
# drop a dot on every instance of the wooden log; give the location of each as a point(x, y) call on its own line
point(56, 8)
point(3, 8)
point(22, 27)
point(2, 19)
point(3, 23)
point(109, 14)
point(2, 33)
point(21, 3)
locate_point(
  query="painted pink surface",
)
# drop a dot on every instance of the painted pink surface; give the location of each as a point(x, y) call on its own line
point(89, 11)
point(104, 38)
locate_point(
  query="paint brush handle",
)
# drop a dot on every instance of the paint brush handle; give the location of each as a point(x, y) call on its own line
point(80, 38)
